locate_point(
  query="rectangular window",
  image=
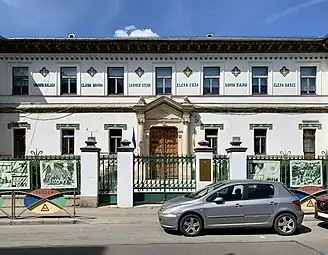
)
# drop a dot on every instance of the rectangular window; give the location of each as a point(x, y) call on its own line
point(68, 80)
point(115, 138)
point(309, 143)
point(163, 80)
point(211, 80)
point(260, 80)
point(260, 141)
point(67, 141)
point(115, 80)
point(211, 135)
point(308, 80)
point(20, 80)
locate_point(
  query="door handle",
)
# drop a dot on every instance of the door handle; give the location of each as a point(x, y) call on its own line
point(238, 205)
point(273, 203)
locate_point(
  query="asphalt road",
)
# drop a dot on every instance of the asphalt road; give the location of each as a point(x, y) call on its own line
point(270, 248)
point(145, 236)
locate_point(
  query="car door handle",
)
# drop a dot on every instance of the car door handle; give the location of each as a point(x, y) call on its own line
point(238, 205)
point(273, 203)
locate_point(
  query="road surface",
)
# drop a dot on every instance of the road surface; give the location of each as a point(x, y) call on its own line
point(144, 237)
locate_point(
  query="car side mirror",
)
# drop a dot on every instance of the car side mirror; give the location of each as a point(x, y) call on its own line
point(218, 200)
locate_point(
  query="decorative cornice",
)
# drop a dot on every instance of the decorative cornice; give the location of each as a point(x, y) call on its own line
point(75, 126)
point(260, 126)
point(302, 126)
point(160, 45)
point(12, 125)
point(212, 126)
point(115, 126)
point(166, 57)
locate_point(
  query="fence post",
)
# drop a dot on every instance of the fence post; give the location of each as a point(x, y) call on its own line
point(204, 164)
point(125, 169)
point(237, 160)
point(89, 173)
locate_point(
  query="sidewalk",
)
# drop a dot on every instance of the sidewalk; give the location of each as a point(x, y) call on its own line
point(101, 215)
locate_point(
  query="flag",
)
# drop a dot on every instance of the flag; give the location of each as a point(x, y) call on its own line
point(134, 139)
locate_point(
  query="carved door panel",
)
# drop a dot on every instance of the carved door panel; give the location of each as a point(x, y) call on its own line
point(163, 146)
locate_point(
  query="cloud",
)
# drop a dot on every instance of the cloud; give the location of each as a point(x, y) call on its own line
point(296, 8)
point(132, 31)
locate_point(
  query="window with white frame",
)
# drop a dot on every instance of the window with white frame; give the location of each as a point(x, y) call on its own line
point(308, 80)
point(115, 138)
point(211, 80)
point(115, 80)
point(68, 80)
point(260, 137)
point(20, 80)
point(260, 80)
point(67, 141)
point(163, 80)
point(211, 135)
point(309, 143)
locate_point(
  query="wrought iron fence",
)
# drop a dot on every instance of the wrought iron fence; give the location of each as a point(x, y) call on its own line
point(292, 170)
point(164, 173)
point(108, 174)
point(32, 179)
point(220, 167)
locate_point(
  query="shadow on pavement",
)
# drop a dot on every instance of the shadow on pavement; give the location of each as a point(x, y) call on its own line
point(96, 250)
point(244, 231)
point(323, 225)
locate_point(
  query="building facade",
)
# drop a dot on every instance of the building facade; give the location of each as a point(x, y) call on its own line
point(164, 94)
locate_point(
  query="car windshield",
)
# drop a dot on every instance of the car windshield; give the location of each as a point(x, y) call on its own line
point(204, 191)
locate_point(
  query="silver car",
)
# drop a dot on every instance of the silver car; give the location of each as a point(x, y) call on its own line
point(232, 203)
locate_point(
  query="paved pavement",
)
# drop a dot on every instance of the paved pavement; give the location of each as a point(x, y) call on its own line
point(273, 248)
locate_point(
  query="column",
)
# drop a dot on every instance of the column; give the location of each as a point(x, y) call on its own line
point(204, 164)
point(141, 143)
point(89, 173)
point(237, 160)
point(185, 137)
point(125, 169)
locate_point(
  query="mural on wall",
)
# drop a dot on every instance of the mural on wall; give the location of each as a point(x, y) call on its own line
point(265, 170)
point(58, 174)
point(14, 175)
point(306, 172)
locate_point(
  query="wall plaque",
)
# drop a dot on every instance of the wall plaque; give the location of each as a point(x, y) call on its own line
point(205, 170)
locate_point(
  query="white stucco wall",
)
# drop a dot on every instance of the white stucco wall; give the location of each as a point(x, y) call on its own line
point(181, 85)
point(285, 135)
point(44, 136)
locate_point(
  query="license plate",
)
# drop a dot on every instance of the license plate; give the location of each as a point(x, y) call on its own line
point(323, 215)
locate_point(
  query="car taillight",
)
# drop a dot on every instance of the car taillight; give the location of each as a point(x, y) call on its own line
point(297, 203)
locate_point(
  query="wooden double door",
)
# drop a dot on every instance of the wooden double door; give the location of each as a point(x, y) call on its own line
point(163, 151)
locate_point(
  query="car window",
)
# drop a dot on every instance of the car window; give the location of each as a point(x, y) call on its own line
point(260, 191)
point(204, 191)
point(230, 193)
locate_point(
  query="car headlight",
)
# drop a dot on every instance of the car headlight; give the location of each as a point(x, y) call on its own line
point(169, 213)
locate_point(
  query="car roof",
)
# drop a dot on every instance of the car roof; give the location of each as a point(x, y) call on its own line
point(247, 181)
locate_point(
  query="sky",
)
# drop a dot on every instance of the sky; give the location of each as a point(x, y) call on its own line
point(163, 18)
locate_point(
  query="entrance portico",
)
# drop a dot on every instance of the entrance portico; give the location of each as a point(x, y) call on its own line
point(164, 126)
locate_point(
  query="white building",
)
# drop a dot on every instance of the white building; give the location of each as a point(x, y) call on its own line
point(172, 93)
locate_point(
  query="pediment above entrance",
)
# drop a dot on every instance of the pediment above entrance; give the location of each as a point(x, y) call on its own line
point(163, 112)
point(162, 103)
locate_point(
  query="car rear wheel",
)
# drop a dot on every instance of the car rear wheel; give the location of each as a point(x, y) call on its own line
point(191, 225)
point(285, 224)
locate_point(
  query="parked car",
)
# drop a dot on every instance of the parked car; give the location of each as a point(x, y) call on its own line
point(321, 208)
point(233, 203)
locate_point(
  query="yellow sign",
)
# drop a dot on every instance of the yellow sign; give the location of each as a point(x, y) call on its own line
point(45, 208)
point(307, 205)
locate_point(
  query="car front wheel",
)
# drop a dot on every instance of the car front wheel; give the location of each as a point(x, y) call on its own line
point(191, 225)
point(285, 224)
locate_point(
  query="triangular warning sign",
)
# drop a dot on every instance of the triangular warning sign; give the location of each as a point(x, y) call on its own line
point(45, 208)
point(310, 203)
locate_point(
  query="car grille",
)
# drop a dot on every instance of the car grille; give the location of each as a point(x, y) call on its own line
point(323, 206)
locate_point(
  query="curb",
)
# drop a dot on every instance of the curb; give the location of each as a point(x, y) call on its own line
point(41, 222)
